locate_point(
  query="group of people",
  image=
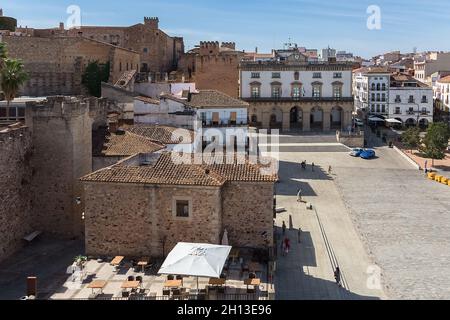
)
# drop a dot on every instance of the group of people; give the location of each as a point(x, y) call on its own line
point(304, 165)
point(286, 247)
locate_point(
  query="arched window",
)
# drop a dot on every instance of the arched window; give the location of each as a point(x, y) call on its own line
point(378, 87)
point(297, 75)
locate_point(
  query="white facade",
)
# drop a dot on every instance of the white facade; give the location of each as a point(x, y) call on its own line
point(410, 105)
point(326, 54)
point(162, 113)
point(371, 91)
point(442, 93)
point(396, 96)
point(306, 79)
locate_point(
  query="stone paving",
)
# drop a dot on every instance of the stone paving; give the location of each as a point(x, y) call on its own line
point(75, 289)
point(307, 271)
point(381, 212)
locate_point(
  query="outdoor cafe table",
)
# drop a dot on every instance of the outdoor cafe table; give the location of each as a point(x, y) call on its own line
point(131, 285)
point(217, 282)
point(143, 263)
point(252, 282)
point(97, 284)
point(117, 260)
point(173, 284)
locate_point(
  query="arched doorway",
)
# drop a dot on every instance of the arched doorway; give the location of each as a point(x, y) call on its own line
point(296, 116)
point(316, 118)
point(423, 123)
point(276, 118)
point(336, 116)
point(410, 123)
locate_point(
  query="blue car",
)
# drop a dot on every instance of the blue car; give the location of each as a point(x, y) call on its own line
point(368, 154)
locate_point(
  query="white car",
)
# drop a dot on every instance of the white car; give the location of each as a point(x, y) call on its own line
point(359, 122)
point(356, 152)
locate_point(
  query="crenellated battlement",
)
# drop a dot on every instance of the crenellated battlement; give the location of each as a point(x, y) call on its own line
point(152, 22)
point(230, 45)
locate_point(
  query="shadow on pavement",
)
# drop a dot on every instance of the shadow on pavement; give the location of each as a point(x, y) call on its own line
point(47, 259)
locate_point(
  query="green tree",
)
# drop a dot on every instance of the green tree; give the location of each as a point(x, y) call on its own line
point(3, 54)
point(13, 76)
point(435, 142)
point(411, 138)
point(94, 75)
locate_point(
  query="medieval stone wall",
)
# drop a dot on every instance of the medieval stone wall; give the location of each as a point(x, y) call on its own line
point(15, 178)
point(56, 64)
point(62, 139)
point(248, 214)
point(133, 220)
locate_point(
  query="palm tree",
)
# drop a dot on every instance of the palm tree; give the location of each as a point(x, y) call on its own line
point(13, 76)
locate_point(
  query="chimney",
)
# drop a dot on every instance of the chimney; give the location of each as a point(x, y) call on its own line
point(1, 12)
point(61, 26)
point(256, 50)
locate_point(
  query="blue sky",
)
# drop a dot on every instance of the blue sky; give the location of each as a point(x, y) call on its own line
point(265, 24)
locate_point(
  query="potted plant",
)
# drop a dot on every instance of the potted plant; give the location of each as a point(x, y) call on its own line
point(80, 261)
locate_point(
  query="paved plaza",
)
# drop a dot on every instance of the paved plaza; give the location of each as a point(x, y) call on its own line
point(378, 213)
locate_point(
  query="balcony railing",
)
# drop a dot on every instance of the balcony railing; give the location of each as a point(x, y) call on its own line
point(225, 123)
point(304, 99)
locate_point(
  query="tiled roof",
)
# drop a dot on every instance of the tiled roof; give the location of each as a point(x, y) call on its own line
point(208, 99)
point(166, 171)
point(445, 80)
point(214, 98)
point(128, 144)
point(369, 70)
point(160, 134)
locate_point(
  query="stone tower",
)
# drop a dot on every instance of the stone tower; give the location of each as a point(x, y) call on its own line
point(62, 140)
point(152, 22)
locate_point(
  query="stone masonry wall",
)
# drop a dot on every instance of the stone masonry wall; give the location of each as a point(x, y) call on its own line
point(218, 72)
point(132, 220)
point(62, 140)
point(15, 200)
point(56, 64)
point(248, 213)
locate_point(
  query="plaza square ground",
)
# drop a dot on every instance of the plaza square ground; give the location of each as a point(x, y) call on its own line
point(380, 213)
point(377, 213)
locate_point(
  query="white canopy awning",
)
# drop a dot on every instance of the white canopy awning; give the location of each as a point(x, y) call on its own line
point(373, 119)
point(197, 260)
point(393, 121)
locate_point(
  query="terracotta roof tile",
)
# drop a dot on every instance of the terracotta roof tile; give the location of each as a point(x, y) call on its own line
point(128, 144)
point(166, 171)
point(160, 134)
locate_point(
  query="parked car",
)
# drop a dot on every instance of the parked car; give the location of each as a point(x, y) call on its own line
point(359, 122)
point(356, 152)
point(368, 154)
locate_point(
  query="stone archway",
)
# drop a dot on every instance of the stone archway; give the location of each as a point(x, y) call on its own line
point(410, 122)
point(423, 123)
point(316, 118)
point(276, 118)
point(296, 118)
point(336, 117)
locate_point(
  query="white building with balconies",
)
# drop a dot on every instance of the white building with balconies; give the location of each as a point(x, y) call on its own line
point(298, 94)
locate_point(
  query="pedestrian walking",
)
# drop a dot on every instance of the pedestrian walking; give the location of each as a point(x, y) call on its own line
point(313, 166)
point(299, 195)
point(299, 235)
point(284, 228)
point(337, 276)
point(287, 245)
point(329, 170)
point(426, 166)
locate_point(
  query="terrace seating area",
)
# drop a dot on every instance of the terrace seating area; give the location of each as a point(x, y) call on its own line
point(123, 278)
